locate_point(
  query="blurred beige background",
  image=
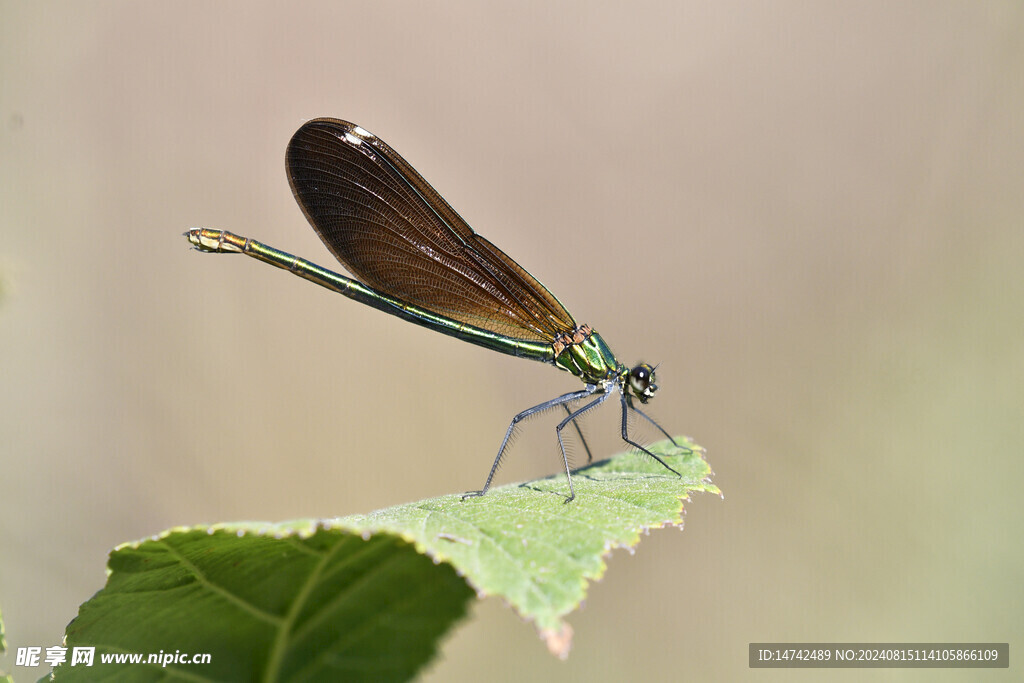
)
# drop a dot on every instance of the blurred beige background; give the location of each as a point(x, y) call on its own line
point(810, 214)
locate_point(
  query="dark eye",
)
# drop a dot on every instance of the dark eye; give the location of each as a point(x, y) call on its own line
point(639, 377)
point(641, 381)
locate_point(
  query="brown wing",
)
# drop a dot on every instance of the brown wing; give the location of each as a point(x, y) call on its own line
point(395, 233)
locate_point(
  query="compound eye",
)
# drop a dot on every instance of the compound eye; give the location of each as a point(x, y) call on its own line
point(641, 381)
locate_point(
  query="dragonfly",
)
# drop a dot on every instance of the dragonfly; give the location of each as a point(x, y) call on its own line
point(414, 257)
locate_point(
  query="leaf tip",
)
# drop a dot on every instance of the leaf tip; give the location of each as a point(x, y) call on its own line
point(559, 641)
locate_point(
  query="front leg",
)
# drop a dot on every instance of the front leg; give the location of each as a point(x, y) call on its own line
point(634, 444)
point(629, 400)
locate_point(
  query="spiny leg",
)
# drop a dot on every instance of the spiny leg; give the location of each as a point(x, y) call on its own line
point(564, 398)
point(558, 432)
point(625, 434)
point(629, 400)
point(590, 456)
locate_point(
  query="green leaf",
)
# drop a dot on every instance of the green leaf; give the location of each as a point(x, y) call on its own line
point(525, 544)
point(268, 602)
point(368, 597)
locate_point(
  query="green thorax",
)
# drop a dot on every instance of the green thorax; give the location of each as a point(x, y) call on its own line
point(585, 354)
